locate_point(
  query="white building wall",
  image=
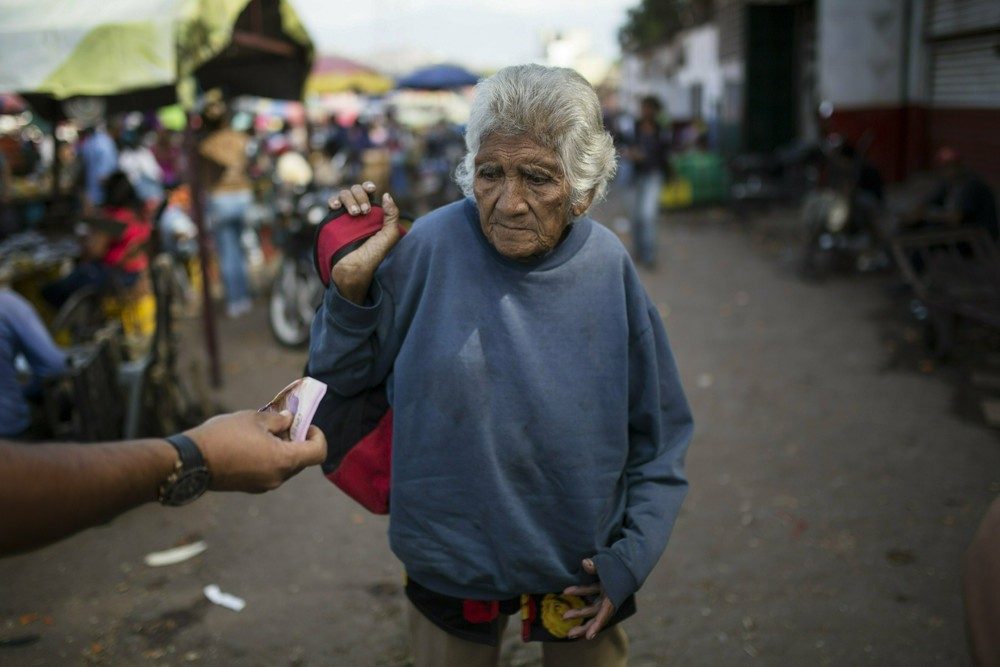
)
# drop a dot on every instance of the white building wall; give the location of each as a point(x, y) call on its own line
point(671, 71)
point(646, 75)
point(701, 66)
point(860, 52)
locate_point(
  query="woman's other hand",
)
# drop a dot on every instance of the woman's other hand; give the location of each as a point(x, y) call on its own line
point(599, 611)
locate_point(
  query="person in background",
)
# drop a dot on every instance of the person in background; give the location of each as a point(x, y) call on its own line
point(178, 233)
point(167, 151)
point(139, 164)
point(962, 198)
point(99, 159)
point(126, 254)
point(50, 491)
point(335, 140)
point(442, 152)
point(649, 152)
point(399, 141)
point(229, 196)
point(22, 333)
point(114, 254)
point(355, 142)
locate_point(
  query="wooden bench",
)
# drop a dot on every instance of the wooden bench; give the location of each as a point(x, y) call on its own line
point(955, 273)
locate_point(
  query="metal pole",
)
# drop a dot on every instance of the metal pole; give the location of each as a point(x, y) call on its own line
point(198, 217)
point(56, 165)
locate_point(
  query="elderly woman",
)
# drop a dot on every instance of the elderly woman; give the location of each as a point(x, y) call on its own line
point(539, 422)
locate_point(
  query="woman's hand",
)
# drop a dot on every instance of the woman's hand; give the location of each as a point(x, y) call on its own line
point(599, 611)
point(354, 273)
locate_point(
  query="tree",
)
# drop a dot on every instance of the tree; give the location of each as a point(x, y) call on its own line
point(655, 22)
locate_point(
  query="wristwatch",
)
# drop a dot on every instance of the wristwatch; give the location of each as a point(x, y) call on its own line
point(190, 477)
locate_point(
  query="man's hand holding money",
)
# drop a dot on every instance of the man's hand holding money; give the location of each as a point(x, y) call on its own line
point(249, 451)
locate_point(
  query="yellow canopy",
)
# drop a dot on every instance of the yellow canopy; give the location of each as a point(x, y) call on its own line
point(335, 74)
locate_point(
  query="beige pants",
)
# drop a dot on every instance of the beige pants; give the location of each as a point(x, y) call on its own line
point(433, 647)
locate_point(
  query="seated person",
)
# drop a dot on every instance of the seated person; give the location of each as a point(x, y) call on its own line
point(23, 333)
point(114, 247)
point(962, 198)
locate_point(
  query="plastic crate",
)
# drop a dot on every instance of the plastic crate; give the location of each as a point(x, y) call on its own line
point(699, 178)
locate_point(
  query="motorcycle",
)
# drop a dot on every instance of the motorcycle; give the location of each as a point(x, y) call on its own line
point(784, 176)
point(838, 227)
point(296, 291)
point(842, 220)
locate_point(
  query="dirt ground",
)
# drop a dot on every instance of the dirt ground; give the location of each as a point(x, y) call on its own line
point(837, 476)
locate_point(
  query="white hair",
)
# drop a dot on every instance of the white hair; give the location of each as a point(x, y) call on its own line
point(556, 108)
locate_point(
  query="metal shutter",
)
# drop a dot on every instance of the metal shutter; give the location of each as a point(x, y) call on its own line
point(966, 72)
point(951, 17)
point(964, 43)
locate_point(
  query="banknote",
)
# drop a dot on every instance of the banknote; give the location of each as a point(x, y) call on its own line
point(301, 398)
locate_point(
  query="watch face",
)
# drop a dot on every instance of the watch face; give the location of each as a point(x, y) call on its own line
point(189, 486)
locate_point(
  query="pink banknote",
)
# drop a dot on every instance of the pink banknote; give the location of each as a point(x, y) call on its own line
point(301, 398)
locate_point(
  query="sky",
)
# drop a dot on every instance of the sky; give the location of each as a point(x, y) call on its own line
point(476, 33)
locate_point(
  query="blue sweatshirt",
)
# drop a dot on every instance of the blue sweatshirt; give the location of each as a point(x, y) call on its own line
point(22, 332)
point(538, 417)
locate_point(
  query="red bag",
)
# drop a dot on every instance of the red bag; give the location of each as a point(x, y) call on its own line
point(363, 473)
point(358, 428)
point(339, 234)
point(358, 433)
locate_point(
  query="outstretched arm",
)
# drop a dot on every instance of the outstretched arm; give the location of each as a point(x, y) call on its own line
point(50, 491)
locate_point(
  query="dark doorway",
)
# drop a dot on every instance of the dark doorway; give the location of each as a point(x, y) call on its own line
point(771, 109)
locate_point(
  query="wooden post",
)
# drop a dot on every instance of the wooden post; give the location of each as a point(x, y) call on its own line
point(198, 217)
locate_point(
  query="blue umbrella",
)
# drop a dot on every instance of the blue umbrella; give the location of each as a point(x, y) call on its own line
point(438, 77)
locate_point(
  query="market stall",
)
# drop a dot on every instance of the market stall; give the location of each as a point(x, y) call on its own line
point(90, 58)
point(82, 62)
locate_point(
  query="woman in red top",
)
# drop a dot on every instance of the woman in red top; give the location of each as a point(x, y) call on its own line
point(113, 250)
point(126, 253)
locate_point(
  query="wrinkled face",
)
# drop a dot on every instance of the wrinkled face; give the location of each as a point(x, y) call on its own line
point(522, 195)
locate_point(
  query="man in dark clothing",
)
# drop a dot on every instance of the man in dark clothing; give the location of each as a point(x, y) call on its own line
point(649, 154)
point(962, 199)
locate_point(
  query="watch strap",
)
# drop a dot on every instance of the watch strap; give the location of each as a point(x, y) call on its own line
point(190, 477)
point(188, 451)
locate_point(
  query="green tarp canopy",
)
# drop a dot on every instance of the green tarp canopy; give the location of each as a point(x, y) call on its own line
point(126, 55)
point(85, 59)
